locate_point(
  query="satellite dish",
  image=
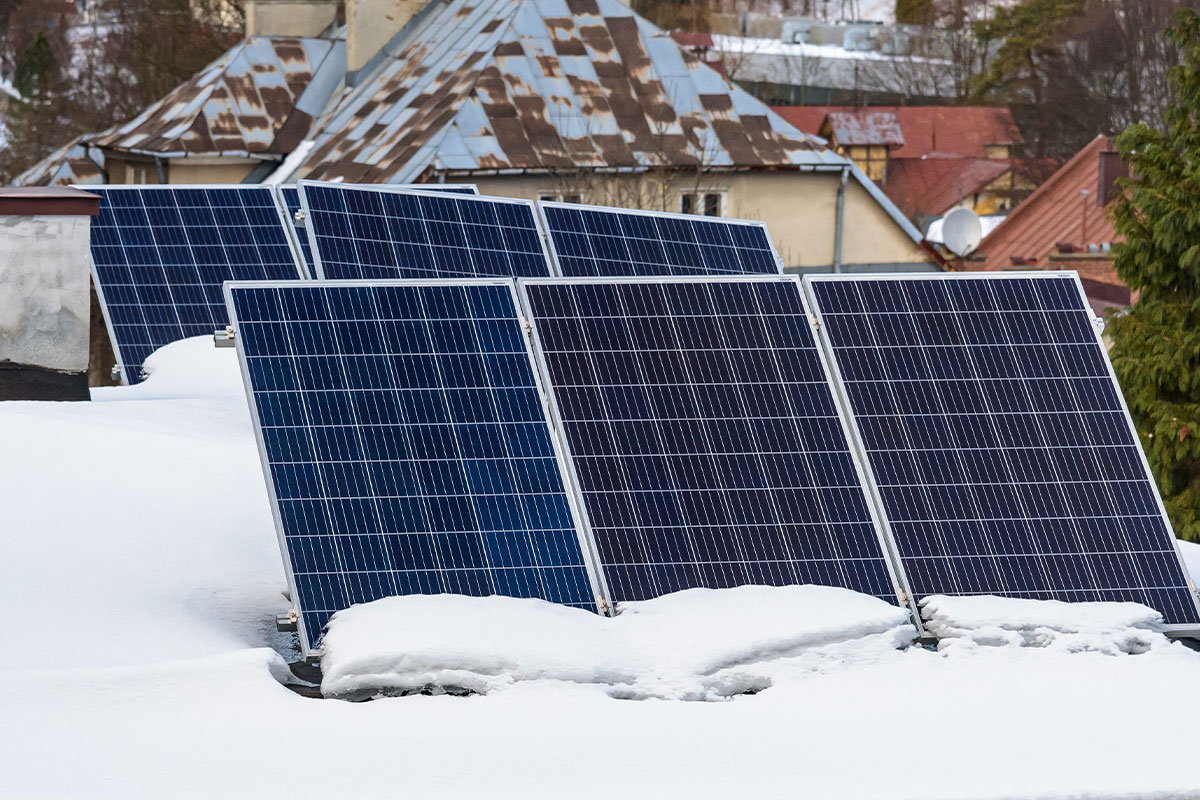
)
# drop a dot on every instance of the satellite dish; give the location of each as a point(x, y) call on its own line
point(961, 231)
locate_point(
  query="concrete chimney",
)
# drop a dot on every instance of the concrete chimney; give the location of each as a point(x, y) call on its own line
point(289, 17)
point(370, 24)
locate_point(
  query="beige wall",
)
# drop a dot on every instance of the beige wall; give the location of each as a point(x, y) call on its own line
point(210, 170)
point(800, 210)
point(289, 17)
point(370, 24)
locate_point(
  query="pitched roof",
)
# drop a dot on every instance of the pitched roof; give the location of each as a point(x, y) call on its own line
point(925, 187)
point(258, 99)
point(960, 130)
point(73, 163)
point(864, 126)
point(545, 85)
point(1063, 209)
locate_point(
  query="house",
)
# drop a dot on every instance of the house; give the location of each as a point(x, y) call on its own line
point(577, 100)
point(927, 159)
point(1065, 225)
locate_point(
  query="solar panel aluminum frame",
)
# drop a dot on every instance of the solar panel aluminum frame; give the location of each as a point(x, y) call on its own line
point(290, 224)
point(297, 258)
point(318, 268)
point(545, 223)
point(587, 547)
point(890, 555)
point(843, 400)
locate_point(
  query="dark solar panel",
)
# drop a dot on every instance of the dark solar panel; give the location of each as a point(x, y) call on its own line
point(290, 194)
point(703, 432)
point(161, 253)
point(999, 441)
point(595, 242)
point(406, 444)
point(376, 232)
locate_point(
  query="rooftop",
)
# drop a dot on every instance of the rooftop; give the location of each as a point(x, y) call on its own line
point(475, 86)
point(965, 131)
point(260, 98)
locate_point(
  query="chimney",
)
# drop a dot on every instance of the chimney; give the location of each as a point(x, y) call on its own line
point(1111, 168)
point(289, 17)
point(370, 24)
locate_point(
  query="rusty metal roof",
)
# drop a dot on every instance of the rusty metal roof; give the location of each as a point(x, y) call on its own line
point(476, 86)
point(259, 100)
point(73, 163)
point(865, 126)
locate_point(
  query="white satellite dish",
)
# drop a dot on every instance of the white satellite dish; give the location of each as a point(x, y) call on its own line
point(961, 231)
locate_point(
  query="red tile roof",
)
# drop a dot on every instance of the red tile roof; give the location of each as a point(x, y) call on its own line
point(958, 130)
point(1063, 209)
point(926, 187)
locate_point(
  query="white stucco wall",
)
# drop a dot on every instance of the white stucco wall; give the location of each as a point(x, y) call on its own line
point(44, 291)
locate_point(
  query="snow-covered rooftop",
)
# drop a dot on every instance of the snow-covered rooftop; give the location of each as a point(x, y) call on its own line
point(140, 576)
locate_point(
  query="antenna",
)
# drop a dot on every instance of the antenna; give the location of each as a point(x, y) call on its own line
point(961, 231)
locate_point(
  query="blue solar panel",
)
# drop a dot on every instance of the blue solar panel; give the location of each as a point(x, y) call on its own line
point(377, 232)
point(704, 436)
point(998, 439)
point(290, 195)
point(587, 241)
point(406, 444)
point(161, 253)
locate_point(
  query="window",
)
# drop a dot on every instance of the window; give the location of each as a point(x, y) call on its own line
point(706, 203)
point(871, 159)
point(559, 197)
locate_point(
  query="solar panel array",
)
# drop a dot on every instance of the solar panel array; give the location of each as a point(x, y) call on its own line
point(161, 253)
point(593, 242)
point(704, 434)
point(406, 444)
point(364, 232)
point(290, 196)
point(995, 432)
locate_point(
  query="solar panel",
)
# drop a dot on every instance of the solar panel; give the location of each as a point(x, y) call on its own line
point(406, 444)
point(998, 440)
point(161, 253)
point(703, 434)
point(589, 241)
point(379, 232)
point(289, 194)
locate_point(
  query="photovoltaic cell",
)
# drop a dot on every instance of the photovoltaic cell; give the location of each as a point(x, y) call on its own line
point(372, 232)
point(594, 242)
point(704, 437)
point(998, 439)
point(290, 194)
point(161, 253)
point(406, 444)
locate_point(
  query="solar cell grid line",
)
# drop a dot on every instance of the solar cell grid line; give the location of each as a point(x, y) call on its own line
point(367, 232)
point(702, 435)
point(406, 445)
point(595, 241)
point(289, 196)
point(159, 255)
point(997, 439)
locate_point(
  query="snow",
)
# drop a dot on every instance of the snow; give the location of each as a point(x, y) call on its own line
point(694, 645)
point(139, 576)
point(292, 163)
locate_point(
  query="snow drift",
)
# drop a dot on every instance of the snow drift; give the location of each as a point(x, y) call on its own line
point(691, 645)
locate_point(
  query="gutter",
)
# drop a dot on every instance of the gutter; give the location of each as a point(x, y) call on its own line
point(840, 220)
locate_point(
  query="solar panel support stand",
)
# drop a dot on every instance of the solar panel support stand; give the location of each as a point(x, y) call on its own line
point(287, 623)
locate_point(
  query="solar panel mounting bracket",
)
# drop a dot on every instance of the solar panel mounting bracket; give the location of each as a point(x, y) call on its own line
point(286, 623)
point(115, 372)
point(225, 338)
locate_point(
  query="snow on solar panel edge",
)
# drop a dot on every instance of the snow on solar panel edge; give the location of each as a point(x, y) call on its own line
point(896, 575)
point(810, 281)
point(309, 640)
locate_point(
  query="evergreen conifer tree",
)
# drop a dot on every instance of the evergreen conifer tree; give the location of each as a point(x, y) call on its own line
point(1156, 344)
